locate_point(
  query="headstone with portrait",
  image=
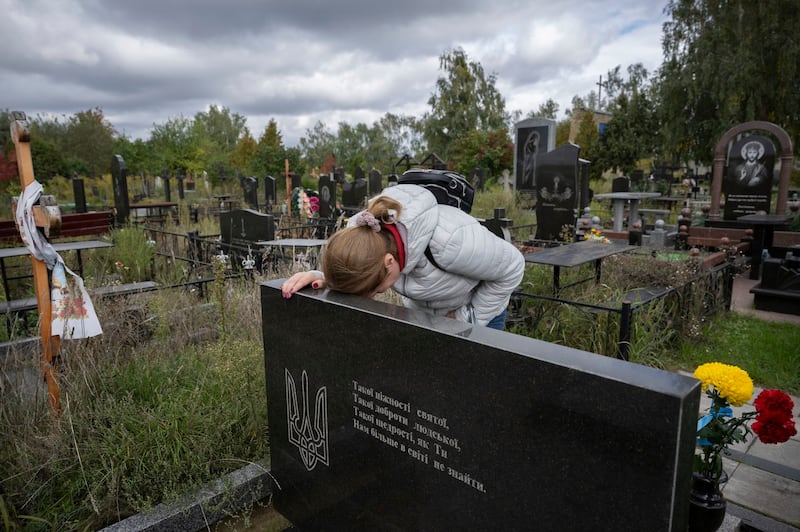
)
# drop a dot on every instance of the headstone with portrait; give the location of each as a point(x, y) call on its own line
point(556, 192)
point(327, 196)
point(747, 185)
point(532, 138)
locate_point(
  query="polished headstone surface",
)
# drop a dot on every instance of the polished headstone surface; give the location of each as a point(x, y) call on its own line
point(383, 418)
point(748, 177)
point(245, 225)
point(556, 192)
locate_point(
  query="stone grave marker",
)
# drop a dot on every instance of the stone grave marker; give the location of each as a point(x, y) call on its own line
point(476, 178)
point(620, 184)
point(270, 192)
point(167, 192)
point(556, 191)
point(79, 193)
point(250, 191)
point(375, 182)
point(532, 138)
point(354, 194)
point(425, 423)
point(748, 180)
point(358, 173)
point(499, 224)
point(327, 196)
point(245, 226)
point(119, 179)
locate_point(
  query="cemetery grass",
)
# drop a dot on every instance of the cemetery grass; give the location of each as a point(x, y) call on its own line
point(170, 397)
point(672, 334)
point(766, 350)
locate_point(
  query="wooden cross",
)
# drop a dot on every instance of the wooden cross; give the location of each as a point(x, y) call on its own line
point(48, 217)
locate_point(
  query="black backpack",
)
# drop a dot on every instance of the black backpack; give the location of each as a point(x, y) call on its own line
point(449, 188)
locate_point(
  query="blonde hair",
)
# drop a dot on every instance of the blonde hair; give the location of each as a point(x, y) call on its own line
point(353, 258)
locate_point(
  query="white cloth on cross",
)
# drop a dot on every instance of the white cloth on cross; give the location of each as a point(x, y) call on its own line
point(73, 314)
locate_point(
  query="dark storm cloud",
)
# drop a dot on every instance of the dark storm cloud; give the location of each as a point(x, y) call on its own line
point(146, 61)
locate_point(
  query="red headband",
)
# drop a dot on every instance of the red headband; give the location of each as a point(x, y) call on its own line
point(401, 249)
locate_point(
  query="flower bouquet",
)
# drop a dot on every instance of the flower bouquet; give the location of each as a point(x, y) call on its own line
point(729, 386)
point(595, 235)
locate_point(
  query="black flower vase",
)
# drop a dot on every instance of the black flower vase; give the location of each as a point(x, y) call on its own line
point(706, 505)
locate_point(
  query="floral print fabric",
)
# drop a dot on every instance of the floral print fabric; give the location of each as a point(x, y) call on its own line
point(73, 314)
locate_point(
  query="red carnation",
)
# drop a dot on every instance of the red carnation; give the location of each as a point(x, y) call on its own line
point(774, 423)
point(774, 432)
point(774, 400)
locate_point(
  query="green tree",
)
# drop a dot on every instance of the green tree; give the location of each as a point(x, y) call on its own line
point(491, 150)
point(90, 139)
point(138, 156)
point(270, 152)
point(465, 99)
point(351, 146)
point(548, 109)
point(216, 134)
point(562, 131)
point(727, 62)
point(317, 145)
point(179, 150)
point(588, 138)
point(632, 132)
point(244, 154)
point(402, 134)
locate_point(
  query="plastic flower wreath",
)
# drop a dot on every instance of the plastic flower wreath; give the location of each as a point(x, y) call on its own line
point(729, 386)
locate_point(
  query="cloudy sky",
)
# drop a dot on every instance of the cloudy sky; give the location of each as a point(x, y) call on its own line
point(302, 61)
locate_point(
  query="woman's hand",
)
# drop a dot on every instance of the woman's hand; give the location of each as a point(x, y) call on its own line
point(301, 280)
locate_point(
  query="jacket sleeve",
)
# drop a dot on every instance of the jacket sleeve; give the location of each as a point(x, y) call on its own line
point(477, 253)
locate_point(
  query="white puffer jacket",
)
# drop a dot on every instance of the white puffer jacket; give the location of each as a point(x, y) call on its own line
point(477, 270)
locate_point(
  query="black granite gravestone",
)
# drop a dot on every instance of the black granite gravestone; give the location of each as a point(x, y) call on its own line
point(327, 196)
point(556, 191)
point(620, 184)
point(499, 224)
point(167, 193)
point(79, 193)
point(425, 423)
point(181, 178)
point(245, 226)
point(533, 137)
point(375, 181)
point(358, 173)
point(250, 191)
point(354, 195)
point(748, 179)
point(296, 179)
point(270, 192)
point(119, 178)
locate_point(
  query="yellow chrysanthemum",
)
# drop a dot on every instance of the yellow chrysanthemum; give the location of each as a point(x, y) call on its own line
point(732, 382)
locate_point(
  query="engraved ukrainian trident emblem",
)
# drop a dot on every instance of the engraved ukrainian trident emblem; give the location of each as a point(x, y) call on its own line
point(310, 438)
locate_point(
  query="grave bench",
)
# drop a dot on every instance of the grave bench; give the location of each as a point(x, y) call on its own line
point(29, 304)
point(72, 225)
point(710, 237)
point(786, 239)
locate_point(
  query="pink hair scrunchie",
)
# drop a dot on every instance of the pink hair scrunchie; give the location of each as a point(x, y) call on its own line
point(366, 218)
